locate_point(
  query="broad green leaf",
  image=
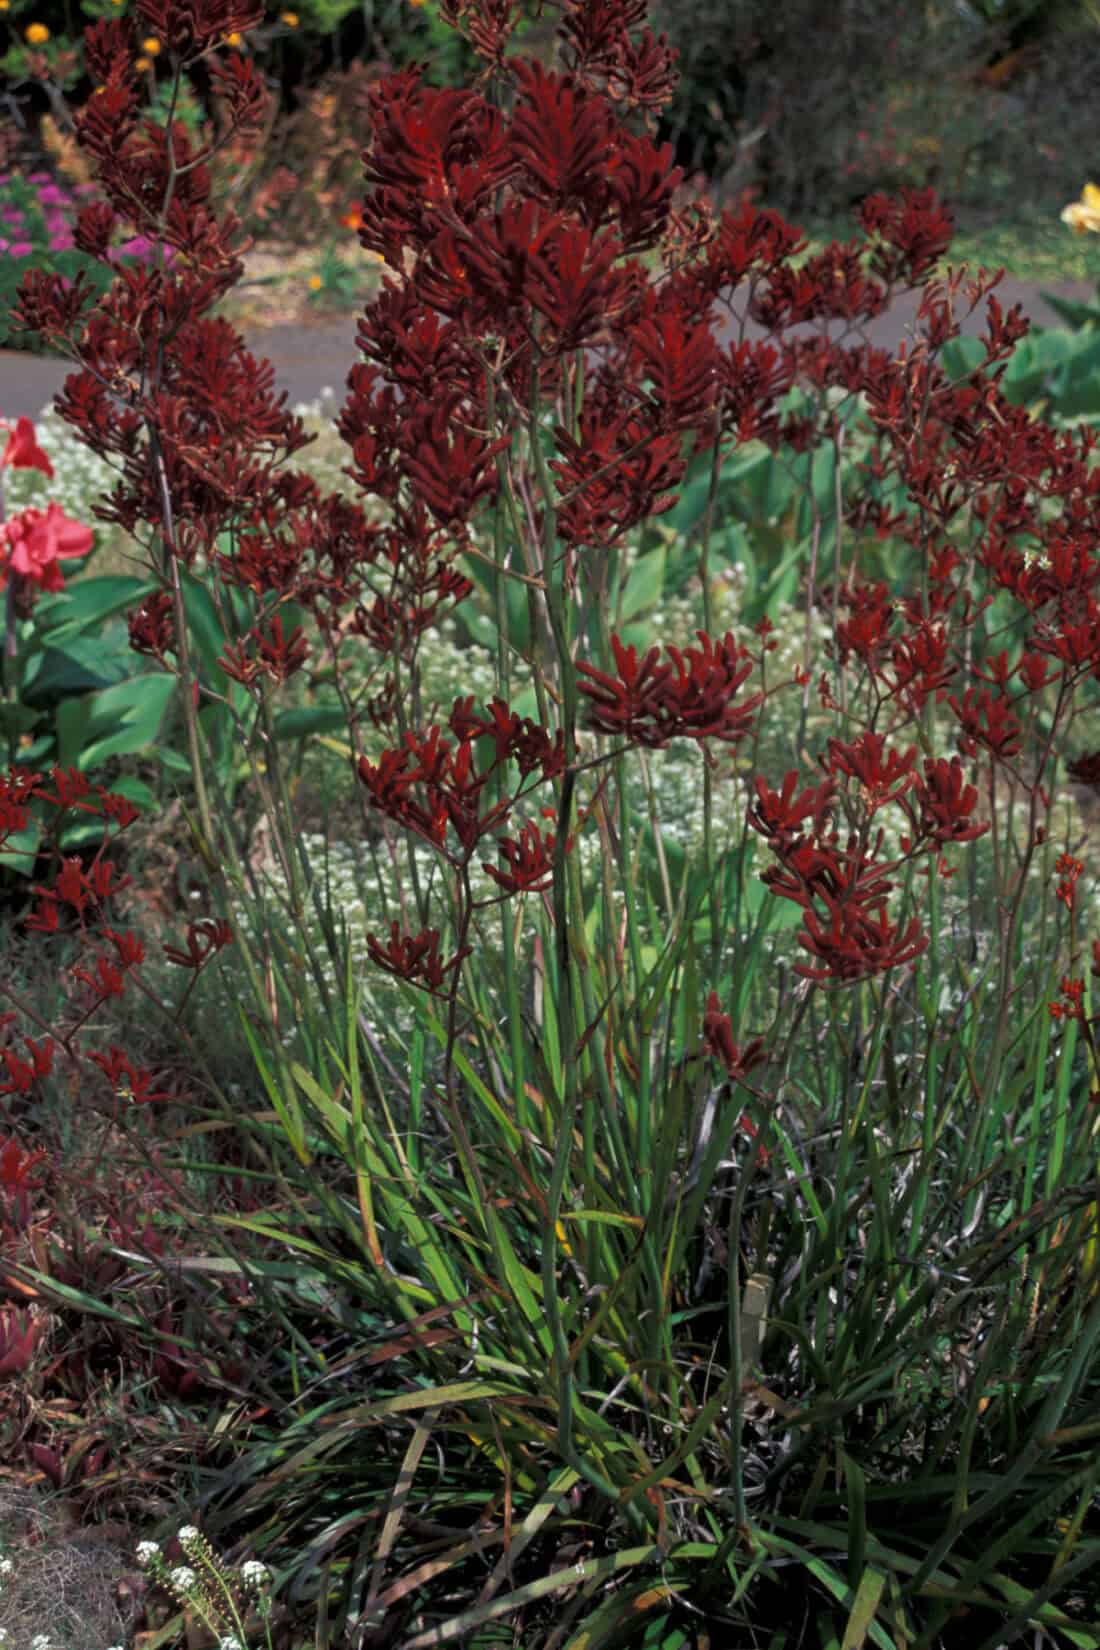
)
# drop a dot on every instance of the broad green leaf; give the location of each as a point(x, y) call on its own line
point(644, 585)
point(87, 602)
point(21, 849)
point(80, 666)
point(139, 706)
point(303, 720)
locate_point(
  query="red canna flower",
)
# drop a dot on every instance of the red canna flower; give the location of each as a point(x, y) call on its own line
point(33, 542)
point(21, 450)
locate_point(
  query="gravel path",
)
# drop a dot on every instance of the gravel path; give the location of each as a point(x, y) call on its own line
point(309, 359)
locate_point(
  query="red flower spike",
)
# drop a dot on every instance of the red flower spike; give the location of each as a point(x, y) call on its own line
point(530, 860)
point(782, 817)
point(691, 696)
point(205, 938)
point(415, 957)
point(855, 944)
point(17, 1178)
point(19, 1337)
point(682, 364)
point(947, 804)
point(1069, 870)
point(910, 235)
point(718, 1037)
point(107, 982)
point(118, 809)
point(883, 775)
point(128, 1081)
point(987, 721)
point(152, 626)
point(23, 1074)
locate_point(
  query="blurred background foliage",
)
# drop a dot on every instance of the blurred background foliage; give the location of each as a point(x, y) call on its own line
point(991, 102)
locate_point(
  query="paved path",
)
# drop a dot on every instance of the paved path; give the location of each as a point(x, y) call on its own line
point(308, 359)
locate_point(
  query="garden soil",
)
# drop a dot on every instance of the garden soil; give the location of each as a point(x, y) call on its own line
point(309, 359)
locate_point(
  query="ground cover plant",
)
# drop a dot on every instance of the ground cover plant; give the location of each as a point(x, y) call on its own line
point(674, 1219)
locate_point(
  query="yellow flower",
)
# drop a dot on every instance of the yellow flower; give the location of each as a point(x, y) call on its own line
point(315, 283)
point(4, 5)
point(1083, 216)
point(290, 18)
point(37, 34)
point(233, 39)
point(143, 63)
point(151, 47)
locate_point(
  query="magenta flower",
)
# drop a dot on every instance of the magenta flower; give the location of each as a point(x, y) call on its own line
point(20, 249)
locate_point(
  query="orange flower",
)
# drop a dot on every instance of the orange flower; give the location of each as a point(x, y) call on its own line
point(37, 34)
point(352, 219)
point(143, 63)
point(151, 47)
point(315, 283)
point(233, 39)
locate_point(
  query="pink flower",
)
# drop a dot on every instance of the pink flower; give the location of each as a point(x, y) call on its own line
point(37, 540)
point(21, 249)
point(22, 451)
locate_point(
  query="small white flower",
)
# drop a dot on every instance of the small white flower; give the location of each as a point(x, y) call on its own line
point(147, 1551)
point(188, 1534)
point(6, 1566)
point(255, 1574)
point(40, 1641)
point(230, 1642)
point(182, 1577)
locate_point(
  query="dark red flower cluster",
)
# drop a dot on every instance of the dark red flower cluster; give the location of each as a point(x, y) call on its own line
point(842, 886)
point(436, 789)
point(521, 352)
point(415, 957)
point(689, 696)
